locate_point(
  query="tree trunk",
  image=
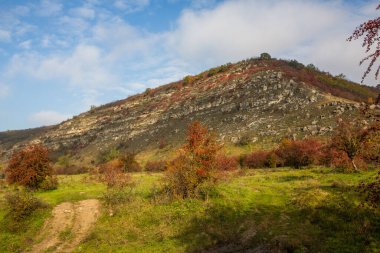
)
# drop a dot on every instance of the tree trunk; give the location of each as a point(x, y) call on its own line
point(353, 164)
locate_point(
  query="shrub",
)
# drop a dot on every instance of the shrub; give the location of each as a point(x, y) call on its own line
point(183, 178)
point(21, 204)
point(265, 56)
point(194, 165)
point(299, 153)
point(50, 183)
point(162, 143)
point(156, 166)
point(336, 159)
point(371, 147)
point(117, 196)
point(129, 162)
point(112, 174)
point(355, 140)
point(70, 170)
point(2, 173)
point(257, 159)
point(29, 167)
point(245, 140)
point(371, 192)
point(106, 156)
point(224, 163)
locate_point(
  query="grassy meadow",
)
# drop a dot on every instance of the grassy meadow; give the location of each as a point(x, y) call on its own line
point(279, 210)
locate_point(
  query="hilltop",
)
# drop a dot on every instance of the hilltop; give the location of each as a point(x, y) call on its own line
point(258, 100)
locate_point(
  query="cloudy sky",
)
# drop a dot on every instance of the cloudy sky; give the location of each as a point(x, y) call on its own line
point(57, 58)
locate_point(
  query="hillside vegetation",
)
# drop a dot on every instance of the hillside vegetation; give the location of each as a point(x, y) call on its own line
point(281, 210)
point(261, 100)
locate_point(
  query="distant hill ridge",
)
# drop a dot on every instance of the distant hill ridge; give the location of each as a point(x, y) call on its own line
point(259, 100)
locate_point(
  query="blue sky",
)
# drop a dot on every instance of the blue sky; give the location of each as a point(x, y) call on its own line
point(57, 58)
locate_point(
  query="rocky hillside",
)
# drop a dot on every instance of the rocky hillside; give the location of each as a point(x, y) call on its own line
point(253, 100)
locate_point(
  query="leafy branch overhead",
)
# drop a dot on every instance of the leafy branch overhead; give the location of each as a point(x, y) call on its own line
point(370, 31)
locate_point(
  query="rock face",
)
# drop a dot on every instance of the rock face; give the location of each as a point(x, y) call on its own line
point(249, 98)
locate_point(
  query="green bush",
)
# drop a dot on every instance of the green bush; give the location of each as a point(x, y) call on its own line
point(21, 204)
point(50, 183)
point(117, 196)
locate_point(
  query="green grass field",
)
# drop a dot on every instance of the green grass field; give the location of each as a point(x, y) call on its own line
point(308, 210)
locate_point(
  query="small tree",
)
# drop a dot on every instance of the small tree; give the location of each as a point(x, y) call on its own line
point(265, 56)
point(195, 163)
point(349, 138)
point(29, 167)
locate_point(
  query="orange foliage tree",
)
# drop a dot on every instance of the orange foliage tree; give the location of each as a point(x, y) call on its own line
point(29, 167)
point(195, 163)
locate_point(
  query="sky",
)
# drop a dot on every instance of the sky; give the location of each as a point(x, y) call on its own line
point(58, 58)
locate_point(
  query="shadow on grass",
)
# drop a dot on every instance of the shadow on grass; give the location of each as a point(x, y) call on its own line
point(293, 178)
point(335, 225)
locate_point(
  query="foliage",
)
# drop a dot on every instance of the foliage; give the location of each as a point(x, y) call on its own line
point(245, 140)
point(183, 178)
point(371, 145)
point(129, 162)
point(155, 166)
point(295, 64)
point(64, 161)
point(371, 192)
point(370, 31)
point(298, 153)
point(29, 167)
point(108, 155)
point(21, 204)
point(112, 174)
point(257, 159)
point(2, 173)
point(335, 158)
point(225, 163)
point(70, 170)
point(265, 56)
point(50, 183)
point(195, 164)
point(349, 138)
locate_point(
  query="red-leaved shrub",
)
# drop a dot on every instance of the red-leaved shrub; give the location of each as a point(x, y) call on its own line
point(300, 152)
point(225, 163)
point(155, 166)
point(257, 159)
point(29, 167)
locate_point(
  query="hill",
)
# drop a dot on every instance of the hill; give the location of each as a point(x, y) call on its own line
point(259, 100)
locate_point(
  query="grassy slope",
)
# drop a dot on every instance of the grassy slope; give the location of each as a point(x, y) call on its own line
point(310, 210)
point(17, 236)
point(304, 210)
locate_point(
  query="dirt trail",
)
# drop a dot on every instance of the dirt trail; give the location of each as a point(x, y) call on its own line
point(68, 226)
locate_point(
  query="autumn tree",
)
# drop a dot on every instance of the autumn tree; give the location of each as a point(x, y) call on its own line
point(29, 167)
point(350, 138)
point(195, 163)
point(371, 41)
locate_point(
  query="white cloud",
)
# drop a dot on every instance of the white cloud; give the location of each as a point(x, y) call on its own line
point(25, 44)
point(48, 117)
point(310, 31)
point(4, 90)
point(198, 4)
point(131, 5)
point(49, 8)
point(5, 36)
point(84, 12)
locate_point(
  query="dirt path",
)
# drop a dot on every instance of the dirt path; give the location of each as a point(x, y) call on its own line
point(68, 226)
